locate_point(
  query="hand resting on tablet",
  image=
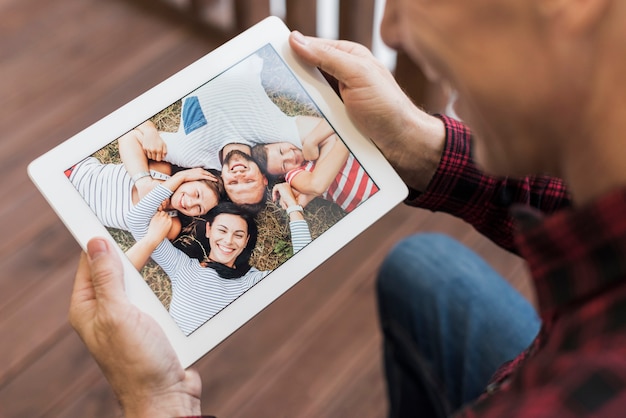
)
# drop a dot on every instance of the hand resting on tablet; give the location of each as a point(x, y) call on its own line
point(128, 345)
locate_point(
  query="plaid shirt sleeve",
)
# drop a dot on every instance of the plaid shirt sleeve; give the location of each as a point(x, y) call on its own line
point(461, 189)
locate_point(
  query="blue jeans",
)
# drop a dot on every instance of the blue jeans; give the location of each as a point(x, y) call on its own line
point(449, 321)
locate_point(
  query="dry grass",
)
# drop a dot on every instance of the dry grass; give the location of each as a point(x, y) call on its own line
point(274, 242)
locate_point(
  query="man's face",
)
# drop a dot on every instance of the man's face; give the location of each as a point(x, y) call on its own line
point(243, 180)
point(493, 54)
point(283, 157)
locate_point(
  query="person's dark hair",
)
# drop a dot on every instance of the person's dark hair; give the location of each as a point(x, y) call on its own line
point(242, 262)
point(259, 153)
point(216, 186)
point(255, 208)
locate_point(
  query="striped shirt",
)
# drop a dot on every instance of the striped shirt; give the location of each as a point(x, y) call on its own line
point(351, 186)
point(107, 189)
point(231, 108)
point(198, 292)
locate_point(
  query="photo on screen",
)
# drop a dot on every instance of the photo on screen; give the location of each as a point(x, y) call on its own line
point(270, 151)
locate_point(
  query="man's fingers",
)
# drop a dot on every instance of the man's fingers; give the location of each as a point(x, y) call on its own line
point(107, 273)
point(83, 289)
point(336, 58)
point(99, 277)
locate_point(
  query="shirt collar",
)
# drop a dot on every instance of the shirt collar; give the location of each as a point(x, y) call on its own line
point(574, 254)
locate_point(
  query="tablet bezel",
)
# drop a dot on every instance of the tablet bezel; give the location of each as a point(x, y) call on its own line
point(47, 172)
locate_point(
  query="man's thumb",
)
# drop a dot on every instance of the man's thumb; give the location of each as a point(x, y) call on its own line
point(107, 273)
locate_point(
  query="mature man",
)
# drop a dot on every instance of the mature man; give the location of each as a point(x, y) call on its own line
point(541, 83)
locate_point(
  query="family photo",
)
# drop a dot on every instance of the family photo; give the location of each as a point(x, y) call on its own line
point(213, 193)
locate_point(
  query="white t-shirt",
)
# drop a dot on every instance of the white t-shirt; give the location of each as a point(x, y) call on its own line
point(231, 108)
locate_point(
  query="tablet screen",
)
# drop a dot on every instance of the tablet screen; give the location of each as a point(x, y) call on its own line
point(264, 138)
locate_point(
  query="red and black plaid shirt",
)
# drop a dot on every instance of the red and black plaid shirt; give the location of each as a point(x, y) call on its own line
point(461, 189)
point(577, 365)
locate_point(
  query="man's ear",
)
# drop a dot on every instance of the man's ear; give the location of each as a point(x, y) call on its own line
point(573, 16)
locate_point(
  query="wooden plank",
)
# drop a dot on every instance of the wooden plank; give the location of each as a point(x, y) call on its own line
point(36, 322)
point(73, 85)
point(302, 16)
point(325, 350)
point(357, 389)
point(249, 12)
point(94, 399)
point(32, 263)
point(202, 18)
point(356, 21)
point(51, 380)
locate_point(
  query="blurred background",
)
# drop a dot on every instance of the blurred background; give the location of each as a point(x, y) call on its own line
point(64, 64)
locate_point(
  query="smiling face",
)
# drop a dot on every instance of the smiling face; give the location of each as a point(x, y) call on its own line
point(194, 198)
point(243, 180)
point(495, 55)
point(283, 157)
point(228, 237)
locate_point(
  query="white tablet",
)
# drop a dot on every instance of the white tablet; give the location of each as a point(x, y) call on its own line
point(218, 265)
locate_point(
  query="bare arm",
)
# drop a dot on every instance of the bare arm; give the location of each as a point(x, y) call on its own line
point(151, 142)
point(312, 142)
point(286, 198)
point(140, 252)
point(333, 156)
point(131, 152)
point(135, 160)
point(175, 229)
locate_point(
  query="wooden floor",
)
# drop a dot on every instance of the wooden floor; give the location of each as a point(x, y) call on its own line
point(313, 353)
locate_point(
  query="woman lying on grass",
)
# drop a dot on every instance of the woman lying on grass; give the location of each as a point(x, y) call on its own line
point(201, 289)
point(111, 190)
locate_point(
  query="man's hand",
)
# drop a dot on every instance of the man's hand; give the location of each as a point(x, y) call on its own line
point(286, 198)
point(128, 345)
point(410, 139)
point(283, 193)
point(151, 141)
